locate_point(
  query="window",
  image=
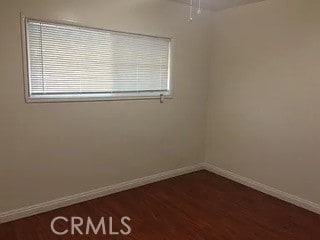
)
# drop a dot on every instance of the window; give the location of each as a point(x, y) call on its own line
point(72, 62)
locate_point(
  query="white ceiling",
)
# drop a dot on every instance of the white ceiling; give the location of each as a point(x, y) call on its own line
point(216, 5)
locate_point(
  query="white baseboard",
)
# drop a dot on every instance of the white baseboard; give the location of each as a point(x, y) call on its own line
point(81, 197)
point(295, 200)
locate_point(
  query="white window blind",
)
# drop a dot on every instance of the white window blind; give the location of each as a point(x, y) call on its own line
point(67, 61)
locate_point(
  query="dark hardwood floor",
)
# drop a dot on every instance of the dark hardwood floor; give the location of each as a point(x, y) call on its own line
point(196, 206)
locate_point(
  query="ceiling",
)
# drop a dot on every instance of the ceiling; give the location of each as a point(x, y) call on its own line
point(216, 5)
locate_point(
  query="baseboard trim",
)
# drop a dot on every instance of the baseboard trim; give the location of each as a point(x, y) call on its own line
point(105, 191)
point(82, 197)
point(295, 200)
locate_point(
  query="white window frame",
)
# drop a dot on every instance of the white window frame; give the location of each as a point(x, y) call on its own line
point(96, 97)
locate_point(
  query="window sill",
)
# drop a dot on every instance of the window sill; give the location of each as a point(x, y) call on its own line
point(109, 97)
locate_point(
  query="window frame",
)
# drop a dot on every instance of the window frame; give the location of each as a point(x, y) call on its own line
point(89, 97)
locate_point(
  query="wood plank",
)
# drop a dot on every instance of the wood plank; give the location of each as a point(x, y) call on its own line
point(195, 206)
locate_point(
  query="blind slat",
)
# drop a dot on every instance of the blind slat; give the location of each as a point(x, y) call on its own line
point(66, 60)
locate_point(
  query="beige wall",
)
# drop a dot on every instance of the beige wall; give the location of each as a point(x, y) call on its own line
point(264, 95)
point(262, 119)
point(48, 151)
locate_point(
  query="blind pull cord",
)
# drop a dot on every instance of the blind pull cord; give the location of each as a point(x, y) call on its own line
point(161, 98)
